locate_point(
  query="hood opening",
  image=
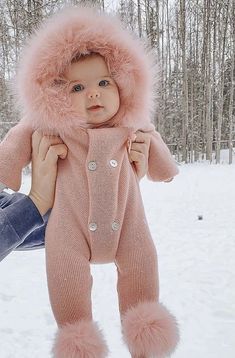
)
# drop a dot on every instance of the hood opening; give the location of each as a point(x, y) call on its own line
point(66, 37)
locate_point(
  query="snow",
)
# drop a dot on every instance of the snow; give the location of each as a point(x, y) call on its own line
point(196, 264)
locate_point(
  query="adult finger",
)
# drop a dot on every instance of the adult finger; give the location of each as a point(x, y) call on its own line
point(36, 139)
point(139, 161)
point(140, 147)
point(136, 156)
point(142, 137)
point(45, 144)
point(54, 152)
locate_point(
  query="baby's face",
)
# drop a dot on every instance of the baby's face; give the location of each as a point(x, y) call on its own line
point(93, 92)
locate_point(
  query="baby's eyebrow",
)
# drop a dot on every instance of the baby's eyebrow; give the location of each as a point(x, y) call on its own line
point(80, 80)
point(75, 81)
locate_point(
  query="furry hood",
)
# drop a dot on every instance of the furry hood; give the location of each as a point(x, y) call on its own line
point(81, 30)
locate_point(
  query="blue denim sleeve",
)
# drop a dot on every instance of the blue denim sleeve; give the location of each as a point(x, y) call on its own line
point(36, 239)
point(20, 222)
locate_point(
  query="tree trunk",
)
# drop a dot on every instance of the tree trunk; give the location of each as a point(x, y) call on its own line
point(185, 82)
point(231, 98)
point(139, 18)
point(224, 26)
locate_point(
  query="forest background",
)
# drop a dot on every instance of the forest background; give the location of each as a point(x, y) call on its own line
point(194, 41)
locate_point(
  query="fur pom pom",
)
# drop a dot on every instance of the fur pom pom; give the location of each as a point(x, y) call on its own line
point(150, 330)
point(79, 340)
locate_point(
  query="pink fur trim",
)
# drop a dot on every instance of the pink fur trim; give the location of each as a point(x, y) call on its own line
point(150, 330)
point(82, 339)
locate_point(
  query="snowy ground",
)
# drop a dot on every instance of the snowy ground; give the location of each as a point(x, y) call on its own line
point(197, 272)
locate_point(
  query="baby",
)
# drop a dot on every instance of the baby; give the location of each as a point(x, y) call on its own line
point(88, 80)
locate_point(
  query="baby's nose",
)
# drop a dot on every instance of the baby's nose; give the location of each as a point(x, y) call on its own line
point(94, 94)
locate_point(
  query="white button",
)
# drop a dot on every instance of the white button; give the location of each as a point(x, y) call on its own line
point(113, 163)
point(115, 225)
point(92, 226)
point(92, 165)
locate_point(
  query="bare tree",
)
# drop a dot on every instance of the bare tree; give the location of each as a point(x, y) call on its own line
point(223, 13)
point(139, 18)
point(185, 81)
point(232, 80)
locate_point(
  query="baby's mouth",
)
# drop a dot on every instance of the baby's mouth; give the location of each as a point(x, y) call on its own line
point(95, 108)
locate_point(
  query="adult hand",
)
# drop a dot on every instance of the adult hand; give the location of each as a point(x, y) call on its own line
point(139, 153)
point(45, 153)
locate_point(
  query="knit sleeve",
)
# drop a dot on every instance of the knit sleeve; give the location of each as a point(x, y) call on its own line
point(15, 154)
point(161, 165)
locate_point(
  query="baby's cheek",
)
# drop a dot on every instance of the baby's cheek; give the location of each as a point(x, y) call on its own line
point(77, 104)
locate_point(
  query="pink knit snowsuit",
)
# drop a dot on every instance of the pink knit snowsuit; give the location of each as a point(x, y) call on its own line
point(98, 215)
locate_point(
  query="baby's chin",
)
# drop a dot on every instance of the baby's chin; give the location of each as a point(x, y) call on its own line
point(104, 124)
point(92, 123)
point(98, 122)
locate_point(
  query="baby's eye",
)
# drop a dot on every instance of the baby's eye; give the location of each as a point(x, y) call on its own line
point(103, 83)
point(77, 88)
